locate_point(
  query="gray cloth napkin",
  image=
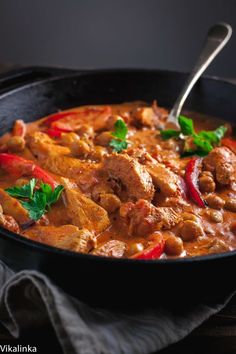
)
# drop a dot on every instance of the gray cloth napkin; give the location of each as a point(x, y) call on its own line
point(29, 297)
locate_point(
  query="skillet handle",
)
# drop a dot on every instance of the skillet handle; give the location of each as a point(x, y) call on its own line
point(23, 76)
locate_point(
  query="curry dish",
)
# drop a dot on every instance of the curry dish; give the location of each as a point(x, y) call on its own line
point(116, 181)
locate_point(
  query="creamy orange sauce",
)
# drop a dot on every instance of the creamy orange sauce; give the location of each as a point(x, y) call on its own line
point(147, 139)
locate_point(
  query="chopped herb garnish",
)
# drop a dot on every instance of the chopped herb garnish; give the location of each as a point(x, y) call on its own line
point(25, 191)
point(204, 140)
point(36, 201)
point(186, 125)
point(169, 133)
point(119, 143)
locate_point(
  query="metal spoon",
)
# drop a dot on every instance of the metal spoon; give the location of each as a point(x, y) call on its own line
point(217, 36)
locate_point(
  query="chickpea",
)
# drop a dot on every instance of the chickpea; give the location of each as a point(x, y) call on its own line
point(86, 130)
point(82, 149)
point(110, 202)
point(154, 237)
point(174, 246)
point(207, 173)
point(79, 147)
point(215, 216)
point(16, 144)
point(103, 139)
point(191, 230)
point(135, 247)
point(214, 201)
point(111, 121)
point(230, 204)
point(206, 184)
point(97, 153)
point(190, 216)
point(69, 139)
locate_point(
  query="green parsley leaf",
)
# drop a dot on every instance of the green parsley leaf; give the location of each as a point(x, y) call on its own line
point(204, 140)
point(25, 191)
point(36, 202)
point(213, 136)
point(220, 132)
point(121, 129)
point(186, 125)
point(55, 195)
point(118, 146)
point(47, 190)
point(36, 207)
point(169, 133)
point(203, 144)
point(120, 134)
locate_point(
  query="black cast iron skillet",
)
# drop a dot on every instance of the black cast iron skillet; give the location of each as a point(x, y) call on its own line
point(32, 93)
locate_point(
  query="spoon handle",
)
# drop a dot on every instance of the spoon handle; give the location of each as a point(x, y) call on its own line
point(217, 36)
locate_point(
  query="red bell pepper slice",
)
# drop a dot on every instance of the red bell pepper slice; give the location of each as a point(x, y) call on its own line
point(94, 115)
point(71, 121)
point(55, 132)
point(230, 143)
point(55, 117)
point(152, 252)
point(18, 166)
point(191, 179)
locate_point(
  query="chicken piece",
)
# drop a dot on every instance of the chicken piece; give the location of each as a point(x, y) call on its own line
point(110, 202)
point(145, 117)
point(15, 144)
point(68, 237)
point(221, 161)
point(68, 166)
point(84, 212)
point(151, 117)
point(209, 246)
point(103, 194)
point(9, 223)
point(162, 177)
point(83, 241)
point(112, 248)
point(144, 218)
point(100, 188)
point(13, 207)
point(42, 145)
point(218, 246)
point(135, 180)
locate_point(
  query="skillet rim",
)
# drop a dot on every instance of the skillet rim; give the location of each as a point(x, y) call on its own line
point(9, 235)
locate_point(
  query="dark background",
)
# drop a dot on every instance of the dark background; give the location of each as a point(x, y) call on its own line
point(113, 33)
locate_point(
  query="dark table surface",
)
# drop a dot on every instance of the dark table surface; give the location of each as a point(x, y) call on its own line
point(216, 336)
